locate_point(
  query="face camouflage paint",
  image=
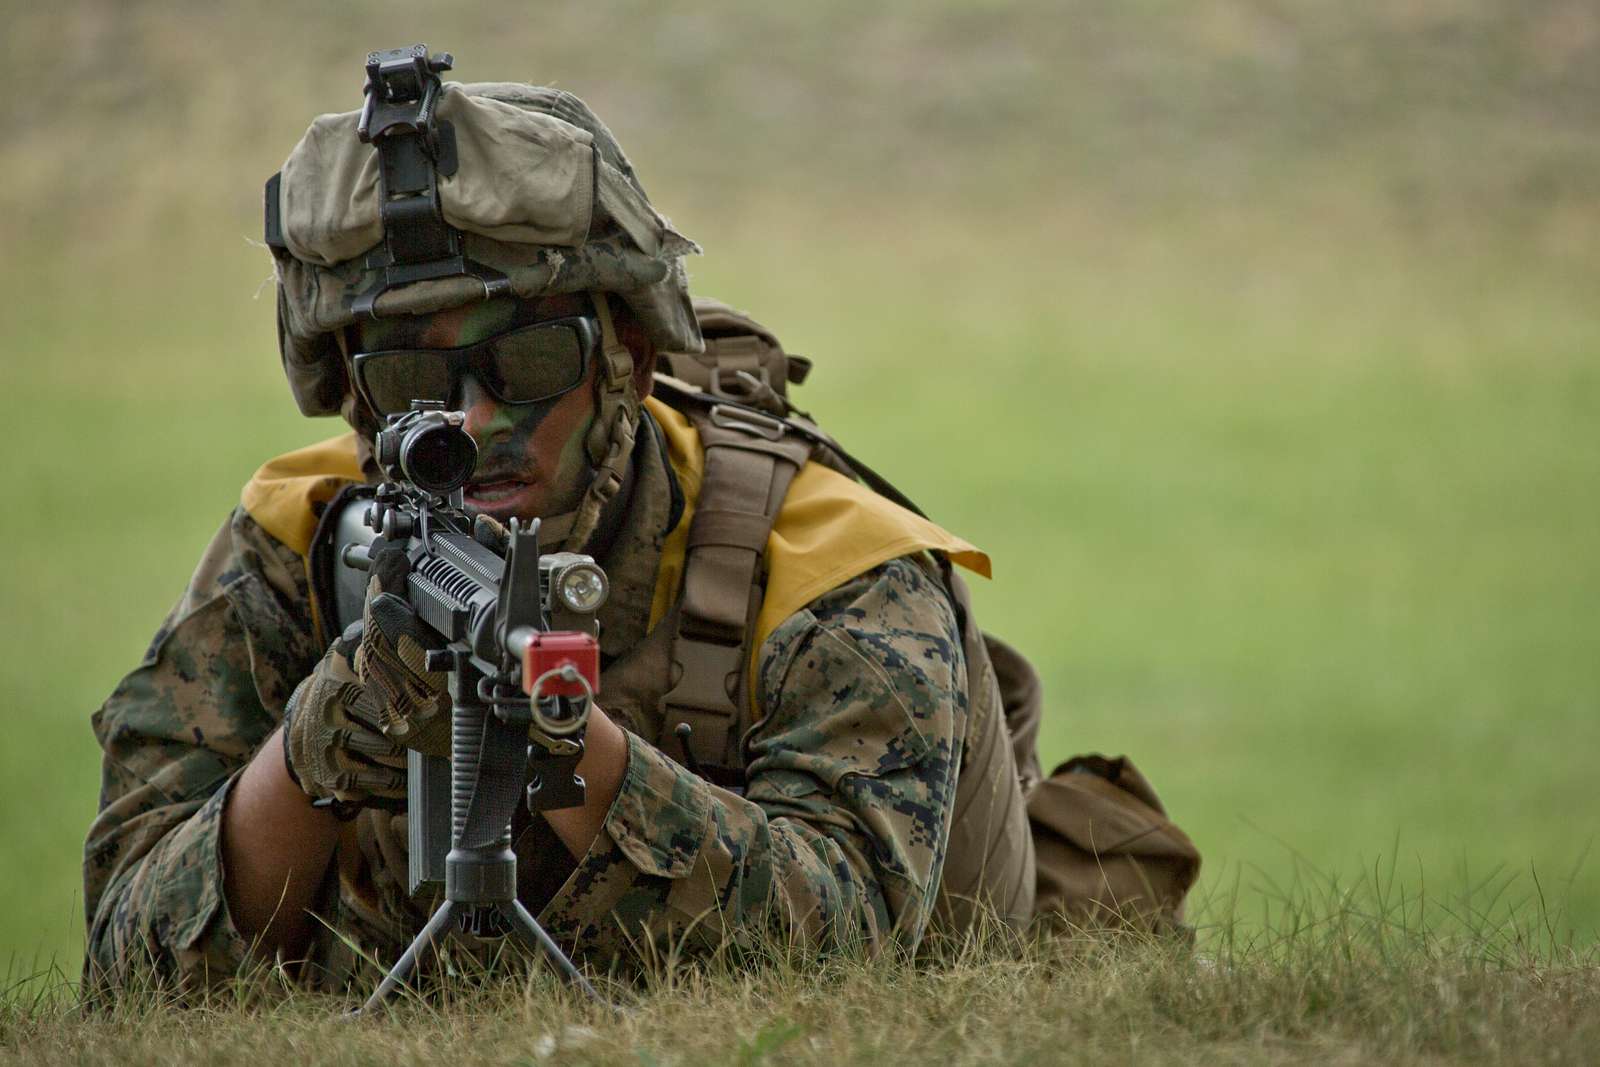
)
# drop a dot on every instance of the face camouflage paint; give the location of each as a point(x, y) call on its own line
point(531, 457)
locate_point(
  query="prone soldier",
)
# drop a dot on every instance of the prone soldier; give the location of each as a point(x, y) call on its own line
point(800, 731)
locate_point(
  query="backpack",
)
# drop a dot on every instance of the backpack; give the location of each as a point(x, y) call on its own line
point(1102, 849)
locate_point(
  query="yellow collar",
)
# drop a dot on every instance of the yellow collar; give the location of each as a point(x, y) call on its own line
point(830, 529)
point(286, 494)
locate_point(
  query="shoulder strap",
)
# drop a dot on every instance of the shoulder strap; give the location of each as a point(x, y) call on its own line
point(750, 460)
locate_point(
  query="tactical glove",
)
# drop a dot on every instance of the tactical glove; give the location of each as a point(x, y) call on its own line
point(491, 533)
point(414, 706)
point(331, 744)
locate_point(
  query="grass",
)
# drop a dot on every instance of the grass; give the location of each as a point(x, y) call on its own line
point(1342, 973)
point(1255, 342)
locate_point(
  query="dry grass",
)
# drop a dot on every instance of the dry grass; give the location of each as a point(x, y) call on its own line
point(1340, 974)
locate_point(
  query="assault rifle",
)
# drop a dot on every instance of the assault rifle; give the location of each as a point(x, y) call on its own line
point(518, 638)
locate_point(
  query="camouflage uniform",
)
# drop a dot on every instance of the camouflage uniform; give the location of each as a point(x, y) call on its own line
point(840, 835)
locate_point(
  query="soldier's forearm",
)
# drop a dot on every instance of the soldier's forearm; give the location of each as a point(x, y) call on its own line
point(605, 761)
point(275, 851)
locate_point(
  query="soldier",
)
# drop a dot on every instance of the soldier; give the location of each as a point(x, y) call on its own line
point(800, 730)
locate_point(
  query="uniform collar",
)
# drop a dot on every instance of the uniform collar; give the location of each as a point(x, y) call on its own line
point(631, 555)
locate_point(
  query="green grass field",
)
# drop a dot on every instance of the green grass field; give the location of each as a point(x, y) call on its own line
point(1360, 984)
point(1267, 373)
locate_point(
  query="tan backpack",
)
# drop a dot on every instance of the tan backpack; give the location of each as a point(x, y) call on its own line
point(1090, 845)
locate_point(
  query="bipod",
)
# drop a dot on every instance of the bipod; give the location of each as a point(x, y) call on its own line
point(487, 758)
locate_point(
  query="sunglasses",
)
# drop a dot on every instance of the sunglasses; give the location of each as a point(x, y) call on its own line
point(521, 366)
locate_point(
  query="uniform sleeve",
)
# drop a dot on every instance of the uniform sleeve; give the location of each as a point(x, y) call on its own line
point(840, 837)
point(175, 734)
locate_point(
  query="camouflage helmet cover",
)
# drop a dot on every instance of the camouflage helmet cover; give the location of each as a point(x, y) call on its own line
point(543, 193)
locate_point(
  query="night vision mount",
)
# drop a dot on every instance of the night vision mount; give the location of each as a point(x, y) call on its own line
point(416, 151)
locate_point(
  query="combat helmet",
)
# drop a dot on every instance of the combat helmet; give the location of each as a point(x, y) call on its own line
point(439, 194)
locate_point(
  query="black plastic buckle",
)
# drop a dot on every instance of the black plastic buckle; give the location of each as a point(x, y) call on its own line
point(553, 779)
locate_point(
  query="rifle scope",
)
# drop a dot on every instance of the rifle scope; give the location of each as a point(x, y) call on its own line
point(428, 447)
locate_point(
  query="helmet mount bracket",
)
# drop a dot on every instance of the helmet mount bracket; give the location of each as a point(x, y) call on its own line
point(416, 150)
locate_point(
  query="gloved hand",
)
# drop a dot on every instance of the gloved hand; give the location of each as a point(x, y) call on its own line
point(332, 745)
point(491, 533)
point(413, 705)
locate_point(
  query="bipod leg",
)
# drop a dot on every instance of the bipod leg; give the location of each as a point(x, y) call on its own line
point(526, 929)
point(438, 926)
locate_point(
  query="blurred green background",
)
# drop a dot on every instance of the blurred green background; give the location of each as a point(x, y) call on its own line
point(1256, 340)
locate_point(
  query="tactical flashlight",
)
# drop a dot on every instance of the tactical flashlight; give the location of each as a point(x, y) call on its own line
point(577, 583)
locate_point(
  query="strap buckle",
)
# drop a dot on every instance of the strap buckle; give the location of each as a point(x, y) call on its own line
point(743, 419)
point(553, 779)
point(701, 698)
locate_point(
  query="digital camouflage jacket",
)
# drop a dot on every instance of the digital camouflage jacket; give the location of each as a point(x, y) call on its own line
point(859, 712)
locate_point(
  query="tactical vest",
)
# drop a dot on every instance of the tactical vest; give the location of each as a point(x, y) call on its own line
point(754, 443)
point(687, 685)
point(742, 454)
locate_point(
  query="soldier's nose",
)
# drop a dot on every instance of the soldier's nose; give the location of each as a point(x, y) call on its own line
point(479, 404)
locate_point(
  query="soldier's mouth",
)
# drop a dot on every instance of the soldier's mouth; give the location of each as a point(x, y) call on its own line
point(495, 492)
point(503, 493)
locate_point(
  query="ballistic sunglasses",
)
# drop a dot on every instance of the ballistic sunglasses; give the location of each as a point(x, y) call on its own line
point(521, 366)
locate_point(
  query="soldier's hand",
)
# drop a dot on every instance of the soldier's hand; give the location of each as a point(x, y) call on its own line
point(332, 744)
point(491, 533)
point(414, 708)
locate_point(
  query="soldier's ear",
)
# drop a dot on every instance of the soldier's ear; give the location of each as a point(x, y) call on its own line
point(644, 368)
point(643, 350)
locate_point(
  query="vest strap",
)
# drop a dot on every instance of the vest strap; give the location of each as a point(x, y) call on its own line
point(748, 469)
point(730, 529)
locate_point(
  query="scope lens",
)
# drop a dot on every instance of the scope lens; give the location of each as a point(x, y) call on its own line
point(438, 458)
point(582, 587)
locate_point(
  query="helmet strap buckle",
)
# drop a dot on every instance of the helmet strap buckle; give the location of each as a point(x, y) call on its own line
point(616, 360)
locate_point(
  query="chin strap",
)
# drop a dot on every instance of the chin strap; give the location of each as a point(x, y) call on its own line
point(610, 440)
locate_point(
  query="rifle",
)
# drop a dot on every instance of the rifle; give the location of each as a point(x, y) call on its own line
point(520, 688)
